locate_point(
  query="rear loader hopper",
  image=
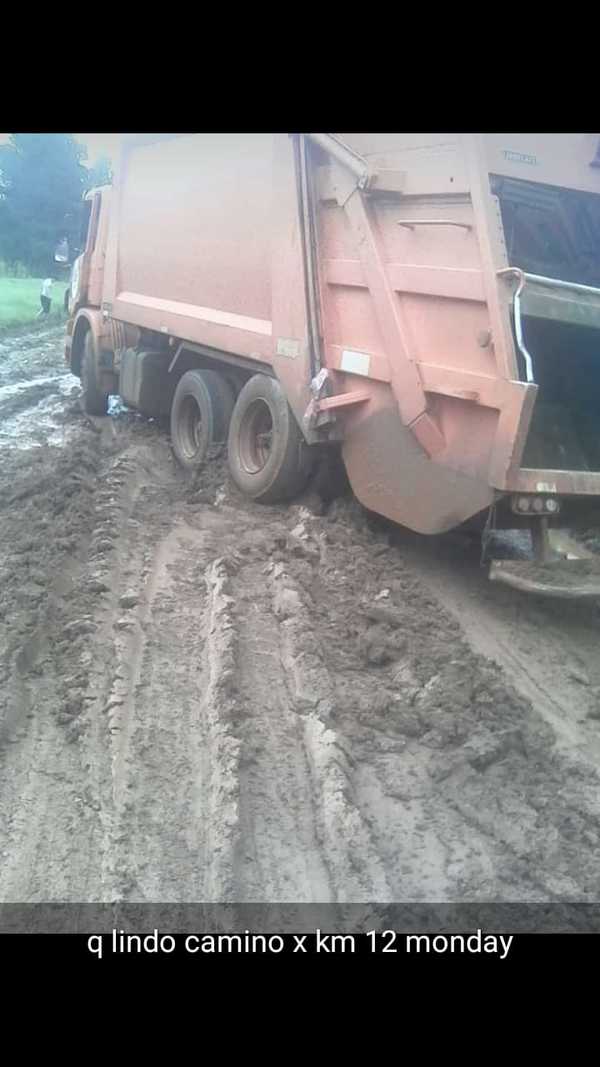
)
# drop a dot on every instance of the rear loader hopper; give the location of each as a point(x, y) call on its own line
point(428, 305)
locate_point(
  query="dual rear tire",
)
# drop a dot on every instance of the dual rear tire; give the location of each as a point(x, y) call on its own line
point(200, 415)
point(268, 458)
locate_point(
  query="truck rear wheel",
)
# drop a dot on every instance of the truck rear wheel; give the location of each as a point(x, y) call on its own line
point(200, 415)
point(95, 402)
point(268, 458)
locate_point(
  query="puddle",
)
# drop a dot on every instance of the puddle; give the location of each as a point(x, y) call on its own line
point(44, 421)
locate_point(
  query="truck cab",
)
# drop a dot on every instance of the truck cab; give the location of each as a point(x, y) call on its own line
point(87, 278)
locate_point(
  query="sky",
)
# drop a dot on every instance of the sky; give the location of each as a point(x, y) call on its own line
point(100, 144)
point(97, 144)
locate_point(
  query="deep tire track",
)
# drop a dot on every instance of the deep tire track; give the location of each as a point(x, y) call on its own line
point(206, 700)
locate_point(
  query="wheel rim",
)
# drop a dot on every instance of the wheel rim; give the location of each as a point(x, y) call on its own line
point(256, 437)
point(190, 428)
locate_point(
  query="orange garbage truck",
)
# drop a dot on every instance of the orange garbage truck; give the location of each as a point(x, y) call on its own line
point(428, 305)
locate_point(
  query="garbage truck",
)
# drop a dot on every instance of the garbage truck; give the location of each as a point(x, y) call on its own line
point(425, 305)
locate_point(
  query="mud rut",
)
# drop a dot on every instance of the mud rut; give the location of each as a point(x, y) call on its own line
point(203, 699)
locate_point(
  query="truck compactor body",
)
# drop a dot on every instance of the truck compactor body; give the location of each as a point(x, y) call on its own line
point(428, 305)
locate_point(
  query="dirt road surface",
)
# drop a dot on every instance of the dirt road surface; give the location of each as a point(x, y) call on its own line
point(202, 699)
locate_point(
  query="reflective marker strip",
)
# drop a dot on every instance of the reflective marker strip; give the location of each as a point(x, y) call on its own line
point(219, 318)
point(355, 362)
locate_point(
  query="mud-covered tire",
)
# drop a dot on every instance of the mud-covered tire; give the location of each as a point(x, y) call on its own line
point(95, 402)
point(268, 457)
point(200, 415)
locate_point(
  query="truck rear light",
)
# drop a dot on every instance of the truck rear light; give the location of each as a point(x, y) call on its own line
point(535, 504)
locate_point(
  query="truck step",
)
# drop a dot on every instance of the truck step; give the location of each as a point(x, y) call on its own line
point(577, 579)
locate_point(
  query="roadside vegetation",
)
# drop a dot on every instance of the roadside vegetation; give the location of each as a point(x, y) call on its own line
point(43, 179)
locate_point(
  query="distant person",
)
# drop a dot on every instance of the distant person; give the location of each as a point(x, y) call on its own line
point(45, 298)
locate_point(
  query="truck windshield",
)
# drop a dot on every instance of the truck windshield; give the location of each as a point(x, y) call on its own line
point(549, 230)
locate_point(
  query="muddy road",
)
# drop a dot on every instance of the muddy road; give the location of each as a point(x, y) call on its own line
point(202, 699)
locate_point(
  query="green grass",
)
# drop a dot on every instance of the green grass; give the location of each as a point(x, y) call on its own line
point(20, 302)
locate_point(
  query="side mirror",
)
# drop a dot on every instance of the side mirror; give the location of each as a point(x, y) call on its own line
point(61, 254)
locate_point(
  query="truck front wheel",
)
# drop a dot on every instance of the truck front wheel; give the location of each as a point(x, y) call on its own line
point(200, 415)
point(268, 458)
point(95, 402)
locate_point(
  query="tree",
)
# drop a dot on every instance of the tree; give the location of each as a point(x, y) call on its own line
point(42, 181)
point(100, 173)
